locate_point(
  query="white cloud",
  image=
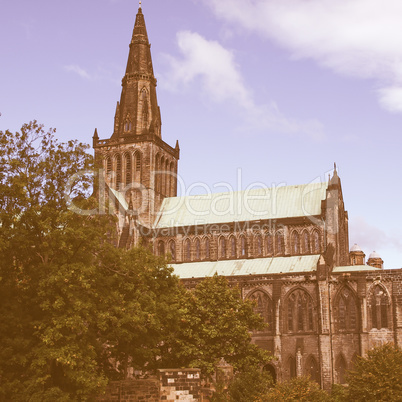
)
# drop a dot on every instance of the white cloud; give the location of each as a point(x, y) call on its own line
point(222, 81)
point(361, 38)
point(73, 68)
point(371, 238)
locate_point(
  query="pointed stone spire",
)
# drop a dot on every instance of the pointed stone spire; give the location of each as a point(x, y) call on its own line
point(138, 111)
point(95, 138)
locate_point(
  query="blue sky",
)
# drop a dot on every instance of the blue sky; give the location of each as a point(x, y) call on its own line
point(275, 91)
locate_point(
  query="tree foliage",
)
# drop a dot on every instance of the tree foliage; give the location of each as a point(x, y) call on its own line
point(215, 322)
point(249, 385)
point(301, 389)
point(377, 377)
point(75, 311)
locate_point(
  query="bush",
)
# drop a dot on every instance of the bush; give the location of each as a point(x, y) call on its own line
point(378, 377)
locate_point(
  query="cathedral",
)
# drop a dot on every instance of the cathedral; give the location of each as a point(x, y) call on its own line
point(287, 248)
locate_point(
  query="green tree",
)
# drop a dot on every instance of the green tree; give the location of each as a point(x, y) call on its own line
point(74, 311)
point(214, 322)
point(301, 389)
point(248, 386)
point(377, 377)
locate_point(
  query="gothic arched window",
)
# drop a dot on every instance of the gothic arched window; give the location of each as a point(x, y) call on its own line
point(269, 244)
point(161, 247)
point(108, 166)
point(300, 312)
point(340, 370)
point(127, 125)
point(157, 174)
point(172, 249)
point(172, 180)
point(295, 243)
point(305, 242)
point(222, 247)
point(137, 172)
point(145, 111)
point(207, 249)
point(292, 367)
point(162, 176)
point(243, 246)
point(258, 245)
point(264, 307)
point(316, 242)
point(118, 172)
point(167, 179)
point(346, 310)
point(379, 308)
point(187, 250)
point(279, 243)
point(233, 247)
point(311, 369)
point(197, 249)
point(128, 169)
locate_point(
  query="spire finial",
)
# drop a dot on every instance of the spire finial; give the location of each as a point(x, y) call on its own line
point(140, 3)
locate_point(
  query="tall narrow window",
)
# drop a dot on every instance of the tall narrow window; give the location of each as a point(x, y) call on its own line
point(243, 246)
point(161, 247)
point(207, 249)
point(379, 308)
point(259, 245)
point(172, 250)
point(279, 243)
point(145, 111)
point(128, 169)
point(187, 250)
point(162, 175)
point(233, 247)
point(300, 312)
point(157, 174)
point(127, 125)
point(137, 173)
point(108, 166)
point(118, 172)
point(295, 243)
point(346, 311)
point(270, 248)
point(312, 369)
point(197, 249)
point(264, 307)
point(340, 369)
point(168, 178)
point(306, 242)
point(172, 180)
point(292, 367)
point(222, 247)
point(316, 242)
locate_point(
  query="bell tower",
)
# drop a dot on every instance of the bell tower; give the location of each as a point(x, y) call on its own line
point(140, 169)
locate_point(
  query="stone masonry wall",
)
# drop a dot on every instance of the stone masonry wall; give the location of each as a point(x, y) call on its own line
point(171, 385)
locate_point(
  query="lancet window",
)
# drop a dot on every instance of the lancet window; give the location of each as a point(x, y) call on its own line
point(346, 309)
point(295, 243)
point(305, 242)
point(264, 307)
point(379, 308)
point(279, 243)
point(300, 312)
point(187, 250)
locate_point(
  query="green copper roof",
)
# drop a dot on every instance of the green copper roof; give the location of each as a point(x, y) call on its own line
point(257, 266)
point(355, 268)
point(240, 206)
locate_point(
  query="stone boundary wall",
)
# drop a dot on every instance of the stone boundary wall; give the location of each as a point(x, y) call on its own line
point(170, 385)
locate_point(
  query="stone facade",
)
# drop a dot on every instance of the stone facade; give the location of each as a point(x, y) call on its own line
point(323, 304)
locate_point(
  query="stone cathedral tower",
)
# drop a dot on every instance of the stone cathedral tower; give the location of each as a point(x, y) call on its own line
point(140, 168)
